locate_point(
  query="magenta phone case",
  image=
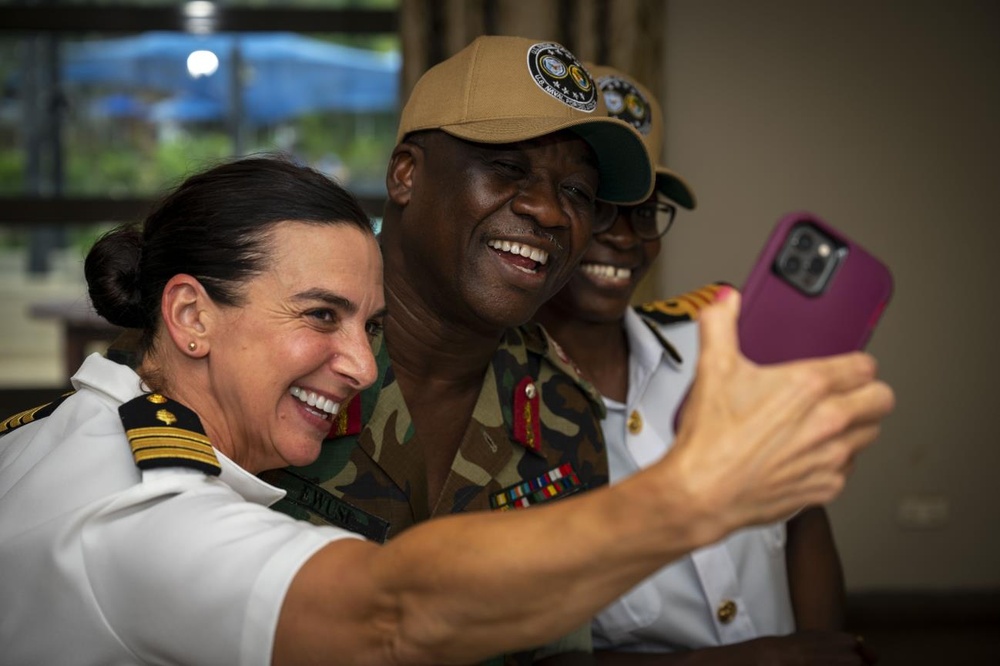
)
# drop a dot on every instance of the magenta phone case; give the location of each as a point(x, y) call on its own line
point(785, 318)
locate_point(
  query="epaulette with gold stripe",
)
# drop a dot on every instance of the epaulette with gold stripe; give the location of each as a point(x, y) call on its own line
point(30, 415)
point(681, 308)
point(165, 433)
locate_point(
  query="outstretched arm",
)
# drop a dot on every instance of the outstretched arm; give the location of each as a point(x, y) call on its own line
point(756, 444)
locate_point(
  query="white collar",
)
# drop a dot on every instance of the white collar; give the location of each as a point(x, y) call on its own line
point(117, 382)
point(249, 486)
point(644, 345)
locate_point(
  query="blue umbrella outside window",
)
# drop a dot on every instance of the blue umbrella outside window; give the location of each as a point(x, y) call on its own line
point(283, 75)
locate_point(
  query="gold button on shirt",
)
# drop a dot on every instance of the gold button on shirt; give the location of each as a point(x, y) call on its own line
point(726, 612)
point(634, 423)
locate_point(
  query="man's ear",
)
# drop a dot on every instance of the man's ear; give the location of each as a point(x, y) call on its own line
point(399, 176)
point(186, 310)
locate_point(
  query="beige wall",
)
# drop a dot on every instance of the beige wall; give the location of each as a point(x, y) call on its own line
point(881, 116)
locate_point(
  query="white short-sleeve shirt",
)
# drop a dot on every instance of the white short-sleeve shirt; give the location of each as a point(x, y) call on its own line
point(728, 592)
point(101, 563)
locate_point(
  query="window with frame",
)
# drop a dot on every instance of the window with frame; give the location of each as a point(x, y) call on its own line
point(103, 106)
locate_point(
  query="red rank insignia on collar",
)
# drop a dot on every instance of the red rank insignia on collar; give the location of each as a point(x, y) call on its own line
point(348, 419)
point(527, 424)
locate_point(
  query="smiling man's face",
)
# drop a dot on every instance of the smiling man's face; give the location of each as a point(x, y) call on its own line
point(493, 231)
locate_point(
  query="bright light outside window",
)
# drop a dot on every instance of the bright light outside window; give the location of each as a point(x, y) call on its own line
point(126, 116)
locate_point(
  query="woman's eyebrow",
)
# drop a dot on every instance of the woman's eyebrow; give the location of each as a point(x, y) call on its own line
point(335, 300)
point(331, 298)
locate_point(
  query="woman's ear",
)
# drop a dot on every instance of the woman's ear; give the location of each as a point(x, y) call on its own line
point(186, 311)
point(399, 175)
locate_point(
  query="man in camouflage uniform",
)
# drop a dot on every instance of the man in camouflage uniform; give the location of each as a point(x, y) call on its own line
point(537, 418)
point(502, 152)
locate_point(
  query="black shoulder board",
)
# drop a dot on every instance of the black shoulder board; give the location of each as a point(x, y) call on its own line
point(164, 433)
point(681, 308)
point(33, 414)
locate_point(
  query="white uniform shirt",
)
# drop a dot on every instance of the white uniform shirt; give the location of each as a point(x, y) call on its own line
point(725, 593)
point(101, 563)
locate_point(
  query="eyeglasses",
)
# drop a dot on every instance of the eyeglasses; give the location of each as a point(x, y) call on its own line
point(649, 220)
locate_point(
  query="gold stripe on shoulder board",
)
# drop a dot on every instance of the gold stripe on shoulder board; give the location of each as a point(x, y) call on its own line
point(684, 307)
point(30, 415)
point(165, 433)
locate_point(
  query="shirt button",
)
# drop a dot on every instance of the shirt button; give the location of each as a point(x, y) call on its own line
point(726, 612)
point(634, 423)
point(530, 391)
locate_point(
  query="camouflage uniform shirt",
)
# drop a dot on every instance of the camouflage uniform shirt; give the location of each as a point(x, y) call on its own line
point(534, 437)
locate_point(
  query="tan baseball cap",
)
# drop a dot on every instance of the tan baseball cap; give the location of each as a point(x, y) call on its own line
point(629, 100)
point(506, 89)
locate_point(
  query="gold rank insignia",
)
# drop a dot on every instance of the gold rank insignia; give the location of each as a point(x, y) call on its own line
point(165, 433)
point(681, 308)
point(685, 307)
point(527, 418)
point(348, 420)
point(30, 415)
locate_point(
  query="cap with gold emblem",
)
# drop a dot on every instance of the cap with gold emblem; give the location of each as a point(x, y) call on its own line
point(502, 89)
point(630, 101)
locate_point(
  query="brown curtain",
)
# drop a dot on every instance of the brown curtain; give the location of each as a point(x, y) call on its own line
point(627, 34)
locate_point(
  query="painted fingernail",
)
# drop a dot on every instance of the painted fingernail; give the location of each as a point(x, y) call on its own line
point(723, 292)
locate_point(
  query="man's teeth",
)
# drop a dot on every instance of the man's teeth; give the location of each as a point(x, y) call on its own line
point(533, 253)
point(313, 400)
point(605, 271)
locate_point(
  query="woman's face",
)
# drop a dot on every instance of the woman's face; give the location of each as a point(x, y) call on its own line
point(303, 336)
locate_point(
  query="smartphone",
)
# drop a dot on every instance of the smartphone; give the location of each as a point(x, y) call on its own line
point(813, 291)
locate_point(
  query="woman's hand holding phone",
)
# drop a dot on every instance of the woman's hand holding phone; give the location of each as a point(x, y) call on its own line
point(758, 442)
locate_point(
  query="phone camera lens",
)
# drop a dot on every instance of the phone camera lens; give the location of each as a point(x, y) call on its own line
point(816, 265)
point(792, 265)
point(803, 242)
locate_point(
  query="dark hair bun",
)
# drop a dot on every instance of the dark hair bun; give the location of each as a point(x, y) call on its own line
point(112, 272)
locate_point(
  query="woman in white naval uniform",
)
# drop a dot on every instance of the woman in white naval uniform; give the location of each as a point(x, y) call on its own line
point(726, 593)
point(732, 593)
